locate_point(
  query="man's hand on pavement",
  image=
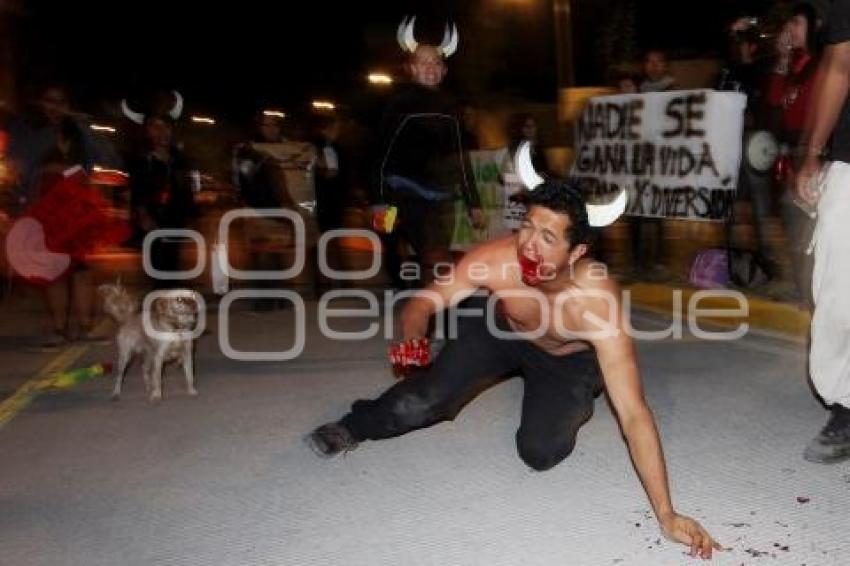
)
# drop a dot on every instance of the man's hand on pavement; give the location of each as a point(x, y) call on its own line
point(689, 532)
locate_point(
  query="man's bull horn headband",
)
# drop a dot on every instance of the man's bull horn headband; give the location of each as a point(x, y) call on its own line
point(408, 42)
point(598, 215)
point(139, 118)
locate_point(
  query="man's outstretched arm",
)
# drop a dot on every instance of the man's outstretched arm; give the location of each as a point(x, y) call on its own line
point(618, 363)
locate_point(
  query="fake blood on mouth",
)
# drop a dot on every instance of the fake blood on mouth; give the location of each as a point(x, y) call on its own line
point(529, 268)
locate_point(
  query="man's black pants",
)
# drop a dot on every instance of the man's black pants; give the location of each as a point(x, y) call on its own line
point(557, 401)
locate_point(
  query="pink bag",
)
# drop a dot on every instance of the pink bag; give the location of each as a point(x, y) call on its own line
point(710, 269)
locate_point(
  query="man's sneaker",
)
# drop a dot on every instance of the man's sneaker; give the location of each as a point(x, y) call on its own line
point(330, 439)
point(832, 445)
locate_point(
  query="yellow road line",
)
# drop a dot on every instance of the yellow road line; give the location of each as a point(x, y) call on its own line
point(63, 361)
point(25, 394)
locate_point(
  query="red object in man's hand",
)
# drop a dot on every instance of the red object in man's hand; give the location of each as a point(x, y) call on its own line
point(404, 356)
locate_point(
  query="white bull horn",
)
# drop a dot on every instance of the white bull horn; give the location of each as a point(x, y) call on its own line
point(450, 40)
point(598, 215)
point(177, 109)
point(399, 34)
point(405, 35)
point(525, 168)
point(136, 117)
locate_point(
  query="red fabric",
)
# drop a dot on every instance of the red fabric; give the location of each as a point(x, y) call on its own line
point(791, 92)
point(28, 255)
point(109, 178)
point(75, 218)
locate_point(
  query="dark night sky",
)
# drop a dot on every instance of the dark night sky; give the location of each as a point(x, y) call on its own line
point(249, 53)
point(237, 51)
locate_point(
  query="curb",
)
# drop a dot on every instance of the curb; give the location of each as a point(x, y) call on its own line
point(723, 307)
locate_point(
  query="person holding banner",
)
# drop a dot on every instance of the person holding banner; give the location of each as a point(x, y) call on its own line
point(522, 127)
point(788, 94)
point(262, 185)
point(655, 70)
point(825, 186)
point(424, 166)
point(527, 304)
point(647, 234)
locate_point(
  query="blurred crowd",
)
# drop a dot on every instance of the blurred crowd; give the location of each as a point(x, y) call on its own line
point(150, 180)
point(775, 67)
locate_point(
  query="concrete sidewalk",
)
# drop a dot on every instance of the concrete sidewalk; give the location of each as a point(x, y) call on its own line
point(225, 479)
point(782, 319)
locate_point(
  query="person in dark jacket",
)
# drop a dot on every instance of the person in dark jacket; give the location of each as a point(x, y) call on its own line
point(331, 175)
point(423, 167)
point(789, 91)
point(160, 193)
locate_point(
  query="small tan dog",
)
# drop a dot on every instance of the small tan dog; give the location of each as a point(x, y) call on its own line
point(174, 314)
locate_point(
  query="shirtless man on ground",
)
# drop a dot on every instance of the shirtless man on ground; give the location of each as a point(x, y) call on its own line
point(550, 314)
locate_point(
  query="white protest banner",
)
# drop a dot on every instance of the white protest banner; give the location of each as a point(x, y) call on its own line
point(297, 161)
point(513, 211)
point(488, 172)
point(677, 153)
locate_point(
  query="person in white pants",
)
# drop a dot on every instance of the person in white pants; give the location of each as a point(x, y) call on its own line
point(829, 357)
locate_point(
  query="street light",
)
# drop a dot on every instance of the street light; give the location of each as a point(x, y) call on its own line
point(203, 120)
point(100, 128)
point(274, 114)
point(380, 79)
point(323, 105)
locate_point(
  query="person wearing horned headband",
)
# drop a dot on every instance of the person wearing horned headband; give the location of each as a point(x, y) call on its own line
point(423, 167)
point(536, 305)
point(160, 191)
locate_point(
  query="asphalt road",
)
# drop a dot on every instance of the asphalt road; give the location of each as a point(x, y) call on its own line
point(225, 479)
